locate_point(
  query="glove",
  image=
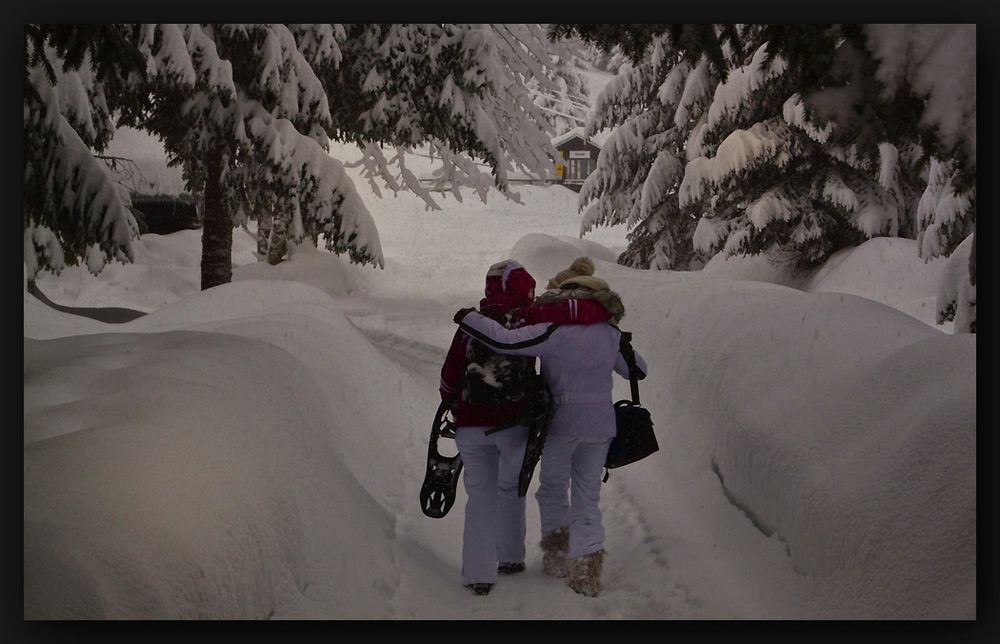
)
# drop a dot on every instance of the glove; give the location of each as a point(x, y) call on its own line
point(462, 313)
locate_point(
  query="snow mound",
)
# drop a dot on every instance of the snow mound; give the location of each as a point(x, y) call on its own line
point(758, 268)
point(183, 480)
point(308, 265)
point(166, 268)
point(245, 299)
point(43, 322)
point(545, 255)
point(837, 425)
point(884, 269)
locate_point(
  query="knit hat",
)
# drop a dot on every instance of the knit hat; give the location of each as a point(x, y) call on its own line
point(586, 281)
point(581, 266)
point(508, 285)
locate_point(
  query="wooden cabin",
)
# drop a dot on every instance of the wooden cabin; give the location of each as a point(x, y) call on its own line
point(579, 158)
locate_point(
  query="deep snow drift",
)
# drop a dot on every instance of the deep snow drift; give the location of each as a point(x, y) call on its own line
point(256, 450)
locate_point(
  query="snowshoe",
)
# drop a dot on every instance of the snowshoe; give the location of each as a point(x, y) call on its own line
point(480, 589)
point(437, 494)
point(538, 428)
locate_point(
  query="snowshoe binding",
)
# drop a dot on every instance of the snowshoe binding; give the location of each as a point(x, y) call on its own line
point(437, 494)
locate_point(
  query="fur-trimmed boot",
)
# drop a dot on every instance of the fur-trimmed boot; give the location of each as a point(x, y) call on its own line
point(555, 546)
point(585, 573)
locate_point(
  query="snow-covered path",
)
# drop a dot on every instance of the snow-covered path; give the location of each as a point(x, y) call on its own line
point(637, 575)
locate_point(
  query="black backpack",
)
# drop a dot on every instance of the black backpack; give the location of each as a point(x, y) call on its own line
point(493, 378)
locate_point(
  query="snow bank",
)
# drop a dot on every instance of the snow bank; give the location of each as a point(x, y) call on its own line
point(307, 265)
point(42, 321)
point(239, 467)
point(182, 475)
point(758, 268)
point(884, 269)
point(545, 255)
point(843, 429)
point(166, 268)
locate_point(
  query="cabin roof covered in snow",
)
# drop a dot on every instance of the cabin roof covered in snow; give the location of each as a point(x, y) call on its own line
point(598, 139)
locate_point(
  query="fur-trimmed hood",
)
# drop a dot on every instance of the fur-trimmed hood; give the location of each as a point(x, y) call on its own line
point(608, 299)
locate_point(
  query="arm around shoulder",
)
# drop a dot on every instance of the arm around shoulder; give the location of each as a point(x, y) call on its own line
point(525, 341)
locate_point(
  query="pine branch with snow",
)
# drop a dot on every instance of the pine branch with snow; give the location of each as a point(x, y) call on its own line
point(464, 93)
point(945, 214)
point(74, 212)
point(783, 170)
point(653, 107)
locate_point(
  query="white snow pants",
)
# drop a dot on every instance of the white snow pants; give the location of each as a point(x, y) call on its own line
point(494, 513)
point(571, 462)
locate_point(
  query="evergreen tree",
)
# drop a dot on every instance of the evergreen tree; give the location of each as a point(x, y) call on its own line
point(244, 109)
point(770, 174)
point(461, 92)
point(817, 138)
point(654, 108)
point(243, 112)
point(75, 78)
point(567, 106)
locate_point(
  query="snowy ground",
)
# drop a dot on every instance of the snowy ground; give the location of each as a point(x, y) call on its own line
point(256, 450)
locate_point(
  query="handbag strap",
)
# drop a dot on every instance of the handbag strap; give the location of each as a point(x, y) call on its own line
point(625, 346)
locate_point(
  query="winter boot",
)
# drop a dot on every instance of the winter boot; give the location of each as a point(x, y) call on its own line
point(480, 589)
point(505, 568)
point(555, 546)
point(585, 573)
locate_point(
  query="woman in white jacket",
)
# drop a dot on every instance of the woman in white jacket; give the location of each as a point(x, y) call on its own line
point(577, 362)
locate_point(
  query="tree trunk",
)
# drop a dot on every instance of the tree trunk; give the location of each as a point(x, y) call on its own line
point(263, 234)
point(279, 238)
point(217, 228)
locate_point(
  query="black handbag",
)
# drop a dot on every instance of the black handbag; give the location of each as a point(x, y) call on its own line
point(635, 439)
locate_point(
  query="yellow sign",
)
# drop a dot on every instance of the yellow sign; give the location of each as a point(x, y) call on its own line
point(559, 169)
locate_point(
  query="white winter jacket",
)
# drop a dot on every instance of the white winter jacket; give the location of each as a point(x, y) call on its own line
point(577, 361)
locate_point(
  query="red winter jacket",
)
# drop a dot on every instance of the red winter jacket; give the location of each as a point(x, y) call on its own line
point(500, 304)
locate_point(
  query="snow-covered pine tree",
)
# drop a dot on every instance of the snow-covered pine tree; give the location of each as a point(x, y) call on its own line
point(811, 143)
point(654, 107)
point(459, 92)
point(243, 112)
point(606, 61)
point(956, 293)
point(567, 107)
point(933, 69)
point(770, 173)
point(919, 90)
point(75, 78)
